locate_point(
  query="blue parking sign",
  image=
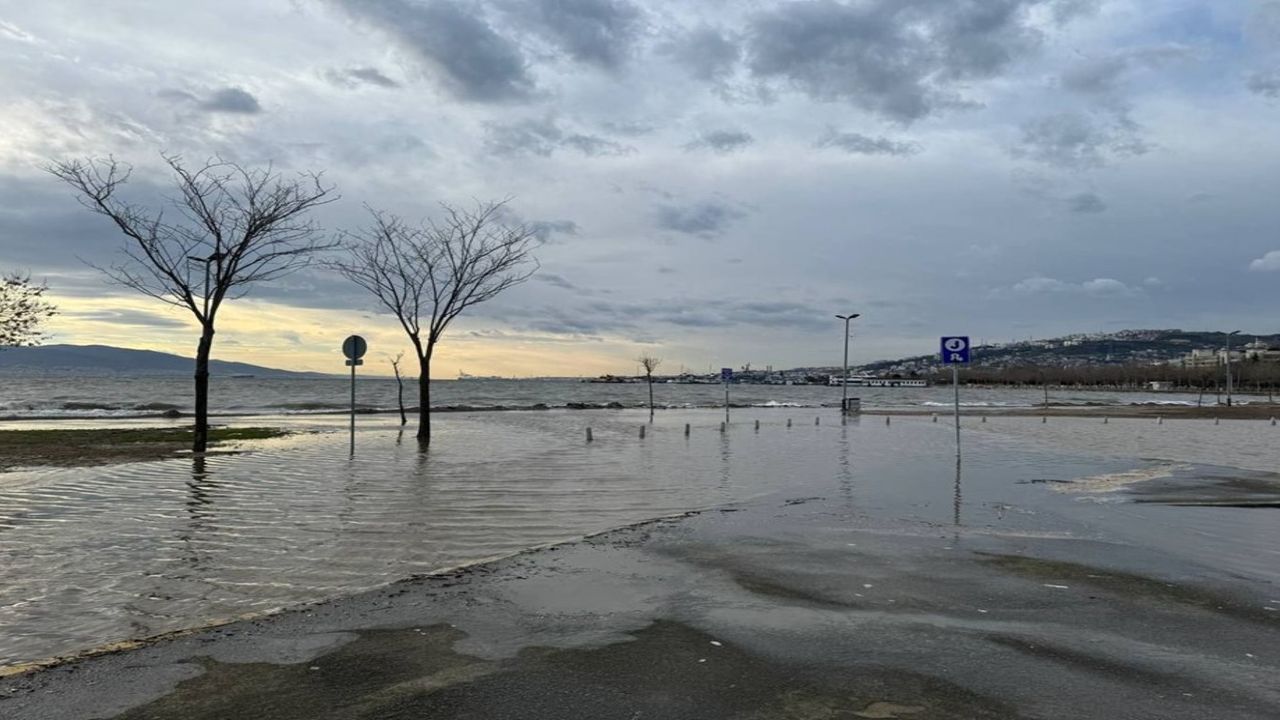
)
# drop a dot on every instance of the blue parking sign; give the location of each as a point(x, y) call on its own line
point(726, 375)
point(955, 350)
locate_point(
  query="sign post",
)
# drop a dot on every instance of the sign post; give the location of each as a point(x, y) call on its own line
point(955, 352)
point(726, 377)
point(354, 347)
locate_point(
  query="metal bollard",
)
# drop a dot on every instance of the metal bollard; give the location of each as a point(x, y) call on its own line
point(1044, 420)
point(757, 426)
point(886, 419)
point(1215, 421)
point(686, 429)
point(984, 418)
point(1159, 419)
point(641, 432)
point(588, 434)
point(788, 422)
point(722, 427)
point(1273, 422)
point(935, 417)
point(1104, 420)
point(817, 421)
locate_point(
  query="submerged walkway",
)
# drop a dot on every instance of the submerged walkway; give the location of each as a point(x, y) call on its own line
point(784, 607)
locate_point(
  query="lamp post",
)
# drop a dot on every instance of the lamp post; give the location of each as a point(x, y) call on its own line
point(844, 379)
point(1233, 332)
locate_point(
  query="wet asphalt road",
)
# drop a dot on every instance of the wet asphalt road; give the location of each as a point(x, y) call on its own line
point(783, 607)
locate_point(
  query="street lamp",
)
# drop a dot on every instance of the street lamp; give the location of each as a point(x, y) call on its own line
point(1233, 332)
point(844, 379)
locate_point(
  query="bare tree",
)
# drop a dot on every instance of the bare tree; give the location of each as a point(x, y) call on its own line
point(22, 311)
point(426, 275)
point(650, 363)
point(236, 226)
point(395, 367)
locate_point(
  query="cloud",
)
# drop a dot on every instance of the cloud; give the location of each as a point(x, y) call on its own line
point(705, 52)
point(1265, 83)
point(453, 43)
point(555, 280)
point(598, 317)
point(137, 318)
point(1086, 202)
point(721, 141)
point(596, 32)
point(1078, 140)
point(902, 59)
point(355, 77)
point(1101, 76)
point(1267, 263)
point(546, 230)
point(706, 219)
point(543, 138)
point(859, 144)
point(231, 100)
point(1098, 287)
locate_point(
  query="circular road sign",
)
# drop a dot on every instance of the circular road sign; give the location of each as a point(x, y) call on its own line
point(954, 344)
point(354, 347)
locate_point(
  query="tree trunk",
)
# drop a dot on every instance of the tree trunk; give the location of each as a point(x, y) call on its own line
point(424, 398)
point(201, 438)
point(404, 420)
point(650, 378)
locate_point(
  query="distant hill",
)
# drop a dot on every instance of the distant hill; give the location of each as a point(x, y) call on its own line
point(1126, 347)
point(103, 360)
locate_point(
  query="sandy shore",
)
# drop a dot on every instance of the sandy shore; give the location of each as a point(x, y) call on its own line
point(785, 607)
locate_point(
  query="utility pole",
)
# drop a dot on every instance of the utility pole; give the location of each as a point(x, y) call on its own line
point(844, 379)
point(1233, 332)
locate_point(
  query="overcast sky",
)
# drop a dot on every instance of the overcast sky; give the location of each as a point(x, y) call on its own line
point(715, 180)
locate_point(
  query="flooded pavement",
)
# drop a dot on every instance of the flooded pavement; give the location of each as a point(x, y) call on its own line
point(796, 607)
point(859, 563)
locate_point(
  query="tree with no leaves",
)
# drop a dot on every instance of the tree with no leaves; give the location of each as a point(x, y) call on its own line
point(230, 225)
point(426, 275)
point(22, 311)
point(650, 363)
point(395, 367)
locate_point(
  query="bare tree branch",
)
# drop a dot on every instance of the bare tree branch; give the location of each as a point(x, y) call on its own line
point(227, 228)
point(428, 275)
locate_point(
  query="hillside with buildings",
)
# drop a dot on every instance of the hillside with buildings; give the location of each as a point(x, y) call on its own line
point(1171, 348)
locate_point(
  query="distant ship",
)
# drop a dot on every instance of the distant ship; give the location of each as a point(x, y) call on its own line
point(868, 380)
point(465, 376)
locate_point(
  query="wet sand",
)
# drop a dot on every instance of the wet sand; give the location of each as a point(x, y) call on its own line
point(1254, 411)
point(795, 607)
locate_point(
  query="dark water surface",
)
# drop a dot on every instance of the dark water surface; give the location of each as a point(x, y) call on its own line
point(94, 555)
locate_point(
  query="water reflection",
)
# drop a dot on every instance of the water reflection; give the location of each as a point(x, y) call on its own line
point(958, 496)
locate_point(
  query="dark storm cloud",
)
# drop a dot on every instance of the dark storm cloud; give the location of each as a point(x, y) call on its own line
point(1266, 84)
point(1079, 141)
point(355, 77)
point(1102, 76)
point(231, 100)
point(543, 138)
point(859, 144)
point(457, 46)
point(1086, 202)
point(703, 219)
point(705, 52)
point(903, 59)
point(721, 141)
point(597, 32)
point(546, 230)
point(140, 318)
point(600, 317)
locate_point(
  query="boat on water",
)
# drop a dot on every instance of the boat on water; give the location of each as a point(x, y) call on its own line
point(871, 381)
point(465, 376)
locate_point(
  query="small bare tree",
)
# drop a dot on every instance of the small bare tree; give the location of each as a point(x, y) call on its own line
point(395, 367)
point(22, 311)
point(650, 363)
point(426, 275)
point(237, 226)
